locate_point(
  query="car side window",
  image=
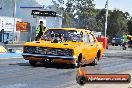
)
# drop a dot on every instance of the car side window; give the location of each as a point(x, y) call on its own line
point(91, 38)
point(86, 38)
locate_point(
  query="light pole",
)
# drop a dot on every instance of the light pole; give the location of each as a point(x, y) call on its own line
point(106, 17)
point(14, 15)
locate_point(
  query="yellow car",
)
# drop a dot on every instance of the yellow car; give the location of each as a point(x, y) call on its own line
point(64, 45)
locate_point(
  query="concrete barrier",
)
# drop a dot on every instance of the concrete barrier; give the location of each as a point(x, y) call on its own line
point(104, 41)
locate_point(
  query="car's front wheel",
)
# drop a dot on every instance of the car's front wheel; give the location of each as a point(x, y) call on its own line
point(32, 63)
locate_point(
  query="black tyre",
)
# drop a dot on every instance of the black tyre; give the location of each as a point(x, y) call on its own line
point(81, 80)
point(124, 48)
point(95, 62)
point(33, 63)
point(116, 44)
point(78, 63)
point(73, 66)
point(107, 47)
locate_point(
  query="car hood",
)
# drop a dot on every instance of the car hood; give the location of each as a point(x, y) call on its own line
point(67, 45)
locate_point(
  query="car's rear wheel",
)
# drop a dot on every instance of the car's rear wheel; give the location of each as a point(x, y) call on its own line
point(95, 62)
point(78, 63)
point(32, 63)
point(96, 59)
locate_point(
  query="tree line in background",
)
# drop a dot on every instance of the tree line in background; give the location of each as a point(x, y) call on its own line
point(82, 14)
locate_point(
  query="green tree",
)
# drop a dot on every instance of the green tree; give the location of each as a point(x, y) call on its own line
point(68, 15)
point(85, 13)
point(130, 26)
point(80, 14)
point(117, 23)
point(58, 6)
point(100, 18)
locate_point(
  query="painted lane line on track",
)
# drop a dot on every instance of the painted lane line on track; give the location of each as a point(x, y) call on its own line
point(19, 85)
point(4, 56)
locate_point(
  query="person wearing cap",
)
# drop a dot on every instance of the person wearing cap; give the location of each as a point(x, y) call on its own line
point(39, 31)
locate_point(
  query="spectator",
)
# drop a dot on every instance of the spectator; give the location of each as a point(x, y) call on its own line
point(39, 31)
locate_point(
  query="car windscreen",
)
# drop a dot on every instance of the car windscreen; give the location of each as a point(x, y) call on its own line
point(118, 37)
point(68, 35)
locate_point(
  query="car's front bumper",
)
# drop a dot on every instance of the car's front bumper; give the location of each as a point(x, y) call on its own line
point(48, 56)
point(117, 41)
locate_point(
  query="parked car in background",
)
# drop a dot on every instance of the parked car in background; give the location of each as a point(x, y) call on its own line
point(129, 41)
point(117, 40)
point(64, 45)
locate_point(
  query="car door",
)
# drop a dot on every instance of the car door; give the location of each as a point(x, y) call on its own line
point(92, 44)
point(87, 47)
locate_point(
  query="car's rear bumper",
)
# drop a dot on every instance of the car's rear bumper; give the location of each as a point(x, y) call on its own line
point(48, 56)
